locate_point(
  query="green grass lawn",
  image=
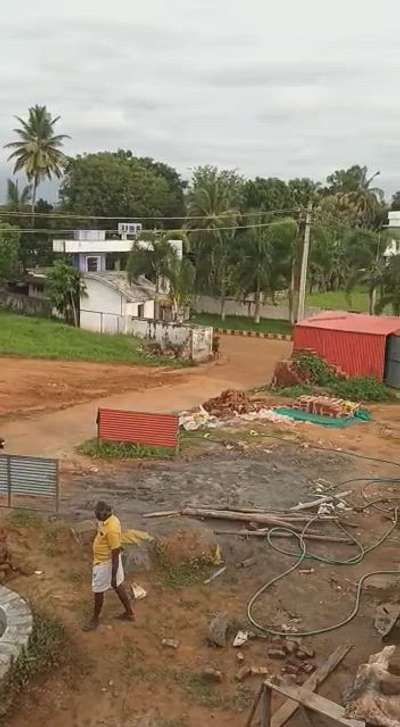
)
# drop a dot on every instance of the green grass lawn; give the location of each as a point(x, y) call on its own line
point(337, 300)
point(45, 338)
point(242, 323)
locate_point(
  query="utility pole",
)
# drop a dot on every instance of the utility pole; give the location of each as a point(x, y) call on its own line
point(304, 264)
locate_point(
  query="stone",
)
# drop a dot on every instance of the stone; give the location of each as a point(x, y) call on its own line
point(212, 675)
point(290, 647)
point(218, 630)
point(243, 673)
point(276, 653)
point(171, 643)
point(308, 668)
point(239, 656)
point(305, 652)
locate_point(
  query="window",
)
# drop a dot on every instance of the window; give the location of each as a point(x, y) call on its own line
point(92, 264)
point(140, 310)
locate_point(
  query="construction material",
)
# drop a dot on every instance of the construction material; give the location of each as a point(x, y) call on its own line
point(314, 703)
point(319, 501)
point(326, 406)
point(163, 513)
point(288, 709)
point(386, 616)
point(376, 692)
point(215, 575)
point(232, 402)
point(328, 421)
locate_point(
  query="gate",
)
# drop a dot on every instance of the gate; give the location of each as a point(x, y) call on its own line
point(392, 367)
point(28, 478)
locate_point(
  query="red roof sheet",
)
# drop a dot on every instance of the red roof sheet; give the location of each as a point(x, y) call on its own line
point(353, 322)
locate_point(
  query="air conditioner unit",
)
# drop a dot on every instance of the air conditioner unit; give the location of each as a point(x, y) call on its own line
point(130, 228)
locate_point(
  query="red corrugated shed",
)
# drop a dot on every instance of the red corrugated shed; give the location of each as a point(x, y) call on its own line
point(355, 342)
point(156, 430)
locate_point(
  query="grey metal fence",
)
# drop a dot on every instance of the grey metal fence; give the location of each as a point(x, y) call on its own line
point(28, 478)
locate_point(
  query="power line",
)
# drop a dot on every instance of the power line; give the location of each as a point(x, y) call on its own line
point(55, 232)
point(122, 218)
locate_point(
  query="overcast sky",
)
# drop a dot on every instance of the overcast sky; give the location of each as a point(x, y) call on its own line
point(270, 87)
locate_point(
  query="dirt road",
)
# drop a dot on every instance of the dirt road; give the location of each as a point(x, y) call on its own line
point(26, 386)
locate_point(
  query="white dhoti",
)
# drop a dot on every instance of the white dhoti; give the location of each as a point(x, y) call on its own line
point(101, 576)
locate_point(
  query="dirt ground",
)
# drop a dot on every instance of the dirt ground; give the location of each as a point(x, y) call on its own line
point(128, 674)
point(31, 391)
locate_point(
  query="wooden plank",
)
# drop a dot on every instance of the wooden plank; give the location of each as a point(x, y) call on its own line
point(319, 501)
point(255, 705)
point(317, 704)
point(288, 709)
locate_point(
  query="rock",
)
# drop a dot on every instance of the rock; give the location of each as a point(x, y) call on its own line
point(218, 630)
point(291, 669)
point(276, 653)
point(191, 543)
point(137, 557)
point(243, 673)
point(239, 656)
point(171, 643)
point(212, 675)
point(247, 562)
point(259, 671)
point(305, 652)
point(386, 616)
point(308, 668)
point(290, 646)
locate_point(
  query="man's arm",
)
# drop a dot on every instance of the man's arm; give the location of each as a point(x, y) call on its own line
point(114, 566)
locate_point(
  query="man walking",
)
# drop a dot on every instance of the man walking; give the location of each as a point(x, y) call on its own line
point(107, 565)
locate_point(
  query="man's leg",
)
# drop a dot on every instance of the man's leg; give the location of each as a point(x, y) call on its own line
point(98, 605)
point(123, 596)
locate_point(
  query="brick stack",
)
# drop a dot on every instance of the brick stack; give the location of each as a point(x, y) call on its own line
point(326, 406)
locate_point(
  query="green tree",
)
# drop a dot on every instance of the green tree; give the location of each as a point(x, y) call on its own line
point(153, 261)
point(175, 203)
point(265, 259)
point(214, 200)
point(9, 251)
point(354, 191)
point(180, 284)
point(395, 205)
point(113, 184)
point(16, 200)
point(266, 194)
point(303, 190)
point(38, 149)
point(65, 288)
point(390, 287)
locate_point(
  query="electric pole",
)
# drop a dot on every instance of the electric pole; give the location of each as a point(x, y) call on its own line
point(304, 264)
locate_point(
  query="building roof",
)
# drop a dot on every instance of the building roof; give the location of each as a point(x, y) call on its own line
point(353, 322)
point(139, 291)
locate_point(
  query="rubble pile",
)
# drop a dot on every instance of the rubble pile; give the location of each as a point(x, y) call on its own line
point(233, 402)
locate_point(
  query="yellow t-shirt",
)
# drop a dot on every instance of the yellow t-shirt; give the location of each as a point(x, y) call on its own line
point(108, 538)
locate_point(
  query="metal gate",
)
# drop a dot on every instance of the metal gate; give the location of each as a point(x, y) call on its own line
point(392, 367)
point(28, 478)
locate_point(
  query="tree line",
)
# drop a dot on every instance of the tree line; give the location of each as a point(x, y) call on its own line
point(243, 237)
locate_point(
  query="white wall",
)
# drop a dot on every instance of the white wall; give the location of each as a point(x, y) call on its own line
point(105, 310)
point(207, 304)
point(195, 342)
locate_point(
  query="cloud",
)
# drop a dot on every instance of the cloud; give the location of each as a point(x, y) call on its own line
point(289, 90)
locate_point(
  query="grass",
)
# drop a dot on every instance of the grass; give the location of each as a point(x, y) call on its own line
point(25, 519)
point(46, 651)
point(46, 338)
point(337, 300)
point(242, 323)
point(98, 449)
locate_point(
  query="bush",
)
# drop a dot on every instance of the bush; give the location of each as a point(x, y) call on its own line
point(98, 449)
point(314, 369)
point(362, 388)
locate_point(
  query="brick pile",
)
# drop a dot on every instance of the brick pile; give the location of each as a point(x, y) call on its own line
point(326, 406)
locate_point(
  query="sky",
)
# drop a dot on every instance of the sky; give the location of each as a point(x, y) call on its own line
point(283, 88)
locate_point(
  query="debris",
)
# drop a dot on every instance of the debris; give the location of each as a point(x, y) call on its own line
point(240, 638)
point(38, 572)
point(171, 643)
point(290, 646)
point(276, 653)
point(212, 675)
point(308, 668)
point(240, 656)
point(386, 616)
point(247, 562)
point(215, 575)
point(232, 402)
point(259, 671)
point(138, 592)
point(306, 571)
point(194, 420)
point(319, 501)
point(243, 673)
point(217, 630)
point(375, 693)
point(305, 652)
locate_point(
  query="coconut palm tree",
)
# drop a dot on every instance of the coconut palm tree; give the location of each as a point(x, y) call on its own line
point(17, 200)
point(38, 149)
point(354, 192)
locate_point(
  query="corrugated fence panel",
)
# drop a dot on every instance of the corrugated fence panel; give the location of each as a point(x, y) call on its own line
point(156, 430)
point(358, 354)
point(28, 476)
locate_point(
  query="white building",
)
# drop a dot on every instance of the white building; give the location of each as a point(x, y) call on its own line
point(393, 245)
point(110, 300)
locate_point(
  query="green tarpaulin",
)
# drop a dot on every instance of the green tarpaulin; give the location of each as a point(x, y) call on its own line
point(304, 416)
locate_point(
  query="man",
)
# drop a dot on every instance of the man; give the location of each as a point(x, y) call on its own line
point(107, 565)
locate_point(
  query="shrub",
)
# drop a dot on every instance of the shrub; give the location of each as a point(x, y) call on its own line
point(362, 388)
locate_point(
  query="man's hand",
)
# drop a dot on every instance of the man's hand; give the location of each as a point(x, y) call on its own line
point(115, 565)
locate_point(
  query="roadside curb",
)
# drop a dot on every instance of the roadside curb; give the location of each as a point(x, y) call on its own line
point(254, 334)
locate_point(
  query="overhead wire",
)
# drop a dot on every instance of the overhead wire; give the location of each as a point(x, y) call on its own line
point(157, 218)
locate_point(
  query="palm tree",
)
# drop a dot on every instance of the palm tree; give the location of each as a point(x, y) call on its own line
point(17, 200)
point(264, 262)
point(153, 261)
point(38, 149)
point(65, 288)
point(354, 192)
point(390, 287)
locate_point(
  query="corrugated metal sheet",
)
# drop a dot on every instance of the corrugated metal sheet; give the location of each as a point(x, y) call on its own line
point(353, 322)
point(358, 354)
point(156, 430)
point(28, 477)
